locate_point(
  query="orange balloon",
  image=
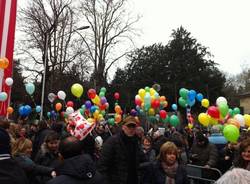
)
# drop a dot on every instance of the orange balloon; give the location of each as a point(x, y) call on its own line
point(233, 122)
point(162, 98)
point(1, 63)
point(118, 118)
point(5, 63)
point(58, 106)
point(118, 109)
point(10, 110)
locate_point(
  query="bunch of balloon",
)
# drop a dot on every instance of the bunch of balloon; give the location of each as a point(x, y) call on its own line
point(188, 97)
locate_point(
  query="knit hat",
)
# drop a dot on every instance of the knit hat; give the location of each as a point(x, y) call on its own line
point(4, 142)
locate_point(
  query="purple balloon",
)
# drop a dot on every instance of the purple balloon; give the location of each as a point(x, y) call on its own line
point(88, 104)
point(103, 100)
point(133, 112)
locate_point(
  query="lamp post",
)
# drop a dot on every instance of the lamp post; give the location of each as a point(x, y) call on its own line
point(47, 34)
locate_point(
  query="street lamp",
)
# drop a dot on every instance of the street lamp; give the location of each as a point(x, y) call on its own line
point(47, 34)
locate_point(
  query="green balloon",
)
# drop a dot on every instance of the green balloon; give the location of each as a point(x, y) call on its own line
point(231, 133)
point(165, 120)
point(82, 111)
point(183, 93)
point(231, 112)
point(223, 108)
point(111, 121)
point(103, 112)
point(174, 120)
point(103, 89)
point(182, 102)
point(147, 89)
point(101, 94)
point(236, 110)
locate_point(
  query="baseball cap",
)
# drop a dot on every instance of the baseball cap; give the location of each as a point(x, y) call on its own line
point(130, 120)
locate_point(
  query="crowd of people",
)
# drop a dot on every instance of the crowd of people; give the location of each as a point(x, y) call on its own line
point(44, 152)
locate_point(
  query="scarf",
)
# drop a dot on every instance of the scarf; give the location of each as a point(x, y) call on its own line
point(170, 172)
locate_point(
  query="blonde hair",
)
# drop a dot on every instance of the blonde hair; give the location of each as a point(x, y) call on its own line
point(167, 148)
point(21, 145)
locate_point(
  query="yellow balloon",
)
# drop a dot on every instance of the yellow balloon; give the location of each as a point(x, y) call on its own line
point(96, 100)
point(151, 112)
point(77, 90)
point(152, 91)
point(247, 119)
point(91, 120)
point(204, 119)
point(205, 103)
point(96, 114)
point(100, 117)
point(213, 121)
point(190, 125)
point(142, 93)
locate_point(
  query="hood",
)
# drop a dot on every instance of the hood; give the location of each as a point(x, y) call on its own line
point(81, 167)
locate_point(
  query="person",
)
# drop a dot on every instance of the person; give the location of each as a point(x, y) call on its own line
point(235, 176)
point(203, 153)
point(139, 131)
point(121, 155)
point(10, 171)
point(22, 153)
point(243, 158)
point(77, 167)
point(167, 168)
point(147, 148)
point(227, 157)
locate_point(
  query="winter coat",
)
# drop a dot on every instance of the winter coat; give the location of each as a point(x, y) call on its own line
point(204, 155)
point(31, 169)
point(115, 159)
point(11, 172)
point(77, 170)
point(154, 174)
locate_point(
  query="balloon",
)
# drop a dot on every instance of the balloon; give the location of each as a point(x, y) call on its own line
point(38, 108)
point(70, 104)
point(239, 118)
point(182, 102)
point(69, 110)
point(133, 112)
point(111, 121)
point(51, 97)
point(147, 89)
point(30, 88)
point(183, 93)
point(118, 118)
point(4, 63)
point(48, 114)
point(138, 101)
point(91, 93)
point(191, 95)
point(3, 96)
point(213, 112)
point(151, 112)
point(93, 109)
point(101, 94)
point(162, 98)
point(204, 119)
point(103, 89)
point(223, 108)
point(9, 81)
point(96, 100)
point(174, 120)
point(163, 114)
point(233, 122)
point(61, 95)
point(28, 110)
point(190, 125)
point(118, 109)
point(213, 121)
point(117, 96)
point(247, 119)
point(174, 107)
point(199, 97)
point(155, 103)
point(152, 91)
point(77, 90)
point(10, 110)
point(230, 112)
point(236, 110)
point(88, 104)
point(190, 103)
point(221, 100)
point(157, 87)
point(205, 103)
point(58, 106)
point(231, 133)
point(142, 93)
point(103, 100)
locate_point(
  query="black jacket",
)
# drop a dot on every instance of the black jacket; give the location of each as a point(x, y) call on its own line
point(155, 174)
point(120, 159)
point(76, 170)
point(11, 172)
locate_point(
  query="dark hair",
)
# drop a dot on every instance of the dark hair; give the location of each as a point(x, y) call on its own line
point(239, 161)
point(148, 138)
point(4, 123)
point(51, 136)
point(70, 147)
point(42, 125)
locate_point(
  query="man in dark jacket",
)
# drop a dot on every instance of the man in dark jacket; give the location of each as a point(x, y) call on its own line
point(119, 161)
point(10, 171)
point(77, 167)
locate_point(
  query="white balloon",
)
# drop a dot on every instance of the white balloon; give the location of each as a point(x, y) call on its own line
point(221, 100)
point(9, 81)
point(61, 95)
point(239, 118)
point(69, 110)
point(51, 97)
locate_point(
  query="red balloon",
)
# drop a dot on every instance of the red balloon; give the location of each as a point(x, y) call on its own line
point(91, 93)
point(70, 104)
point(138, 102)
point(155, 103)
point(213, 112)
point(117, 96)
point(163, 114)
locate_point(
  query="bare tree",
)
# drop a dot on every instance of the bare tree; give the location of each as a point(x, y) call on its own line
point(54, 21)
point(110, 27)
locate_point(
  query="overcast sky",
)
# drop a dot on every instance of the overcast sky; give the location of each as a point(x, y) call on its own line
point(221, 25)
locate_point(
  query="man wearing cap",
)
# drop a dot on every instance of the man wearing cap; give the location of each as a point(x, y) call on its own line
point(121, 155)
point(10, 171)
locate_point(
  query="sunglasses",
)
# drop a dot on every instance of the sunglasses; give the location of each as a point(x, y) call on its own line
point(131, 125)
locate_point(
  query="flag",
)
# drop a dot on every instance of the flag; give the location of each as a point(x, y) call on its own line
point(7, 33)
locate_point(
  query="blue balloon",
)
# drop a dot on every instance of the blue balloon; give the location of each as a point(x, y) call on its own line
point(93, 109)
point(53, 114)
point(88, 104)
point(174, 107)
point(28, 109)
point(199, 97)
point(38, 108)
point(138, 108)
point(30, 88)
point(21, 110)
point(191, 94)
point(191, 103)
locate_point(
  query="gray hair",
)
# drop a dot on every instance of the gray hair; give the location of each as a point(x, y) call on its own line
point(235, 176)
